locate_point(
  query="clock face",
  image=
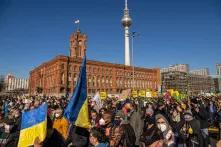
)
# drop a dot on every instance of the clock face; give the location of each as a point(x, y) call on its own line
point(80, 42)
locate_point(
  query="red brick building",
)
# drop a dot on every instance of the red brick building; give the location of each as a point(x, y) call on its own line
point(60, 74)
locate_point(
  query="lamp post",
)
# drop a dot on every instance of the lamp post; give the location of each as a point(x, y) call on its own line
point(133, 35)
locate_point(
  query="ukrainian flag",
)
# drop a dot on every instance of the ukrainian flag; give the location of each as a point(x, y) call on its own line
point(33, 125)
point(77, 109)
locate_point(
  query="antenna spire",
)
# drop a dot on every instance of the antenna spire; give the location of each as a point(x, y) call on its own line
point(126, 4)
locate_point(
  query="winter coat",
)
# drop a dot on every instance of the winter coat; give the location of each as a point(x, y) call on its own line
point(137, 123)
point(196, 136)
point(55, 140)
point(79, 137)
point(168, 134)
point(191, 139)
point(202, 116)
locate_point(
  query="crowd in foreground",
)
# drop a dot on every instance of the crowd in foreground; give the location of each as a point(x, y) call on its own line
point(119, 123)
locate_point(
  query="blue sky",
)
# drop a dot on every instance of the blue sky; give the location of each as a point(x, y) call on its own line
point(171, 31)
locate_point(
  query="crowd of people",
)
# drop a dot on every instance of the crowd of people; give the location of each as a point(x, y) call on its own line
point(132, 122)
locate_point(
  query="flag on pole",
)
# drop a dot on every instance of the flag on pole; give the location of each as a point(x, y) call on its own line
point(77, 21)
point(33, 125)
point(77, 109)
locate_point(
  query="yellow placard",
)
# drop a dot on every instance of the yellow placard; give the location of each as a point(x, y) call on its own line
point(154, 94)
point(134, 94)
point(103, 95)
point(142, 93)
point(171, 91)
point(148, 94)
point(176, 93)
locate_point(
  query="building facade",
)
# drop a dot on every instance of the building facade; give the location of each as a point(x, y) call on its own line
point(59, 75)
point(200, 72)
point(187, 83)
point(176, 67)
point(14, 83)
point(174, 80)
point(217, 83)
point(198, 84)
point(2, 83)
point(218, 69)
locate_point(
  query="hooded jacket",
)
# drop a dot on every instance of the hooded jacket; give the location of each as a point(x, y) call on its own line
point(168, 133)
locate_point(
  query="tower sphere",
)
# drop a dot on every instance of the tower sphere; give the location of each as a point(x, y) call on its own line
point(126, 20)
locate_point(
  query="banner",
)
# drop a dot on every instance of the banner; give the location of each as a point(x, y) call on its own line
point(142, 93)
point(134, 94)
point(154, 94)
point(148, 94)
point(103, 95)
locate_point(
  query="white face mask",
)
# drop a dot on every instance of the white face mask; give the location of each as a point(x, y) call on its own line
point(57, 115)
point(162, 127)
point(101, 122)
point(7, 128)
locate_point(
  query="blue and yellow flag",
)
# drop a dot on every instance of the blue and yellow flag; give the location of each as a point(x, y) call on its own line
point(33, 125)
point(77, 109)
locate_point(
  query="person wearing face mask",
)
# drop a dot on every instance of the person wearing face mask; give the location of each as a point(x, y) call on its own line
point(149, 117)
point(152, 135)
point(189, 131)
point(117, 120)
point(163, 125)
point(60, 123)
point(201, 114)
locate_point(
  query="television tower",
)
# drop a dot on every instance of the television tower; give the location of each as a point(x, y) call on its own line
point(126, 22)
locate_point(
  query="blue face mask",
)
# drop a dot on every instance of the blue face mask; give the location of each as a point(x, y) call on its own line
point(117, 122)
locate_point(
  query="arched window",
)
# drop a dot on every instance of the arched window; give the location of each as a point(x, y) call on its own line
point(62, 78)
point(111, 82)
point(98, 81)
point(102, 81)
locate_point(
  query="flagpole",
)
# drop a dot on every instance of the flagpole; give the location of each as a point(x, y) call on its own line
point(78, 26)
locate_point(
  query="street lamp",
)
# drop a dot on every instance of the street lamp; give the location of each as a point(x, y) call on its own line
point(133, 35)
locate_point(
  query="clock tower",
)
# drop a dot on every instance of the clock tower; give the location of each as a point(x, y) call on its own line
point(78, 44)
